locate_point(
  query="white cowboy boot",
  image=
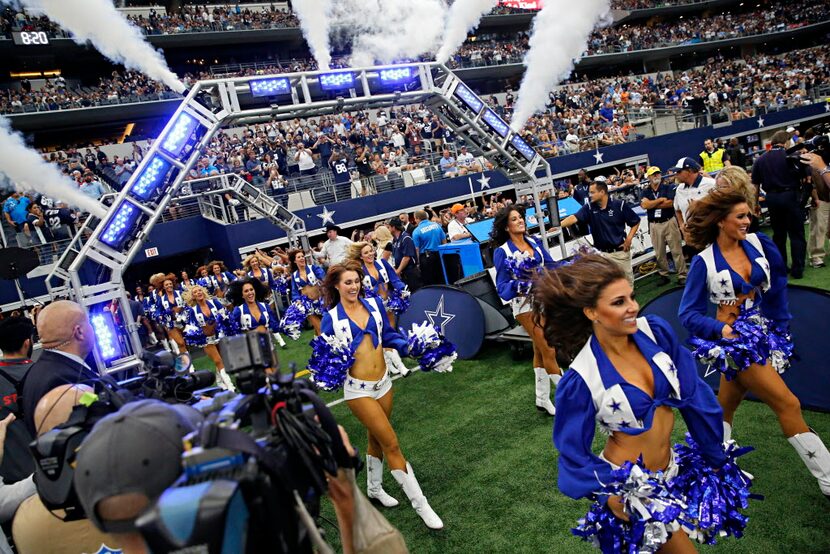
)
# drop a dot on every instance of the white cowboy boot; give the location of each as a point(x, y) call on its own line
point(166, 344)
point(543, 403)
point(407, 481)
point(727, 432)
point(815, 456)
point(374, 482)
point(391, 366)
point(174, 348)
point(398, 362)
point(280, 340)
point(224, 380)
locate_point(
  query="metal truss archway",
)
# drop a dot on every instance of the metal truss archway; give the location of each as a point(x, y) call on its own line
point(210, 105)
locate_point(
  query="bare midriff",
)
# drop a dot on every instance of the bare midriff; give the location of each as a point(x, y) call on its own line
point(311, 291)
point(369, 364)
point(654, 445)
point(728, 313)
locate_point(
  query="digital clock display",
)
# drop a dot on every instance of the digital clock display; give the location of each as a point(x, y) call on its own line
point(30, 38)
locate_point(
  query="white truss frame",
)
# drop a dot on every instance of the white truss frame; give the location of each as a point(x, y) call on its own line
point(219, 103)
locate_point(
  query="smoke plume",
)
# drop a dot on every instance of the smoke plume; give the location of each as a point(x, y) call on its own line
point(314, 21)
point(560, 35)
point(100, 23)
point(463, 16)
point(23, 165)
point(383, 31)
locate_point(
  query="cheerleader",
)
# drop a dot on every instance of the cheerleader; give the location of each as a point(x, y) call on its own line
point(250, 311)
point(207, 322)
point(517, 258)
point(148, 305)
point(360, 330)
point(748, 340)
point(218, 278)
point(381, 281)
point(627, 375)
point(186, 283)
point(306, 295)
point(170, 309)
point(259, 271)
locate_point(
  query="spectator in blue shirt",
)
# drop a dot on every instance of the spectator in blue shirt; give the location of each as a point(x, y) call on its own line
point(607, 219)
point(15, 210)
point(428, 236)
point(447, 165)
point(92, 188)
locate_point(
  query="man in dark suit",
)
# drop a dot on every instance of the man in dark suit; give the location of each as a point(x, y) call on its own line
point(67, 339)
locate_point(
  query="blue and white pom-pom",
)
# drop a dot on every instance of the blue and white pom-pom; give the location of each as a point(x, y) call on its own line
point(194, 336)
point(432, 350)
point(331, 358)
point(756, 343)
point(282, 285)
point(714, 497)
point(293, 319)
point(653, 511)
point(397, 301)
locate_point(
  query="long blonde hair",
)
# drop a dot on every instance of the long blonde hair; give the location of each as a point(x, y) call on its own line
point(355, 249)
point(382, 236)
point(738, 179)
point(187, 295)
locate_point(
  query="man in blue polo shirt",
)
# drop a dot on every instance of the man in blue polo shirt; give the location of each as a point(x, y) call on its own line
point(658, 200)
point(428, 236)
point(404, 256)
point(607, 220)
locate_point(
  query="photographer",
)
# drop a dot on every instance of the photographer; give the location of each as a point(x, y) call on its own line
point(36, 529)
point(782, 188)
point(67, 339)
point(16, 344)
point(820, 210)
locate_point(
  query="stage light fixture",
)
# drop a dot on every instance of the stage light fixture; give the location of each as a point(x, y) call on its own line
point(527, 151)
point(120, 226)
point(496, 123)
point(270, 87)
point(106, 335)
point(151, 179)
point(179, 134)
point(340, 80)
point(468, 97)
point(397, 75)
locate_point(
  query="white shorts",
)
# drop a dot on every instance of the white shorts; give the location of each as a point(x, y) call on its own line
point(521, 305)
point(358, 388)
point(669, 473)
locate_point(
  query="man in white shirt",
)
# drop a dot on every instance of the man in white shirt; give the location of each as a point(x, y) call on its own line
point(467, 161)
point(336, 247)
point(455, 229)
point(691, 186)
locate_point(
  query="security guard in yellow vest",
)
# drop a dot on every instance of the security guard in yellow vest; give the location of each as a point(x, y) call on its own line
point(713, 159)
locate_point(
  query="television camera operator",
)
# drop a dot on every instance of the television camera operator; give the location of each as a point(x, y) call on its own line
point(782, 184)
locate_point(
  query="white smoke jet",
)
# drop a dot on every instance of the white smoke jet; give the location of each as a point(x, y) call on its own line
point(24, 165)
point(116, 38)
point(384, 31)
point(560, 35)
point(314, 21)
point(463, 16)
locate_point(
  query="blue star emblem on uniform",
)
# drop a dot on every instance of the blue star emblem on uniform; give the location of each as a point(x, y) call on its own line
point(615, 406)
point(351, 381)
point(603, 423)
point(672, 367)
point(723, 282)
point(624, 424)
point(362, 385)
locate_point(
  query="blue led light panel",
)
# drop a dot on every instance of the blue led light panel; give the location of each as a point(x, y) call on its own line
point(270, 87)
point(495, 122)
point(523, 147)
point(337, 81)
point(179, 133)
point(106, 336)
point(468, 97)
point(397, 75)
point(120, 226)
point(151, 178)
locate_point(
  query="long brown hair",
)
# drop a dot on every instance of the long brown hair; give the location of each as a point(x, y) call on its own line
point(702, 223)
point(330, 292)
point(559, 297)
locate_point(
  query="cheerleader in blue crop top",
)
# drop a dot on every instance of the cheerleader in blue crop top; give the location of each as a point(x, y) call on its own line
point(349, 353)
point(170, 309)
point(258, 270)
point(627, 375)
point(744, 276)
point(306, 295)
point(380, 281)
point(207, 322)
point(518, 258)
point(250, 311)
point(218, 279)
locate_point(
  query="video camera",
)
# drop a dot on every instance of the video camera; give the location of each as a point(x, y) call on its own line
point(163, 377)
point(255, 471)
point(819, 143)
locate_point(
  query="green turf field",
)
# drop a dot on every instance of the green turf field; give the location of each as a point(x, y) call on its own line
point(485, 460)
